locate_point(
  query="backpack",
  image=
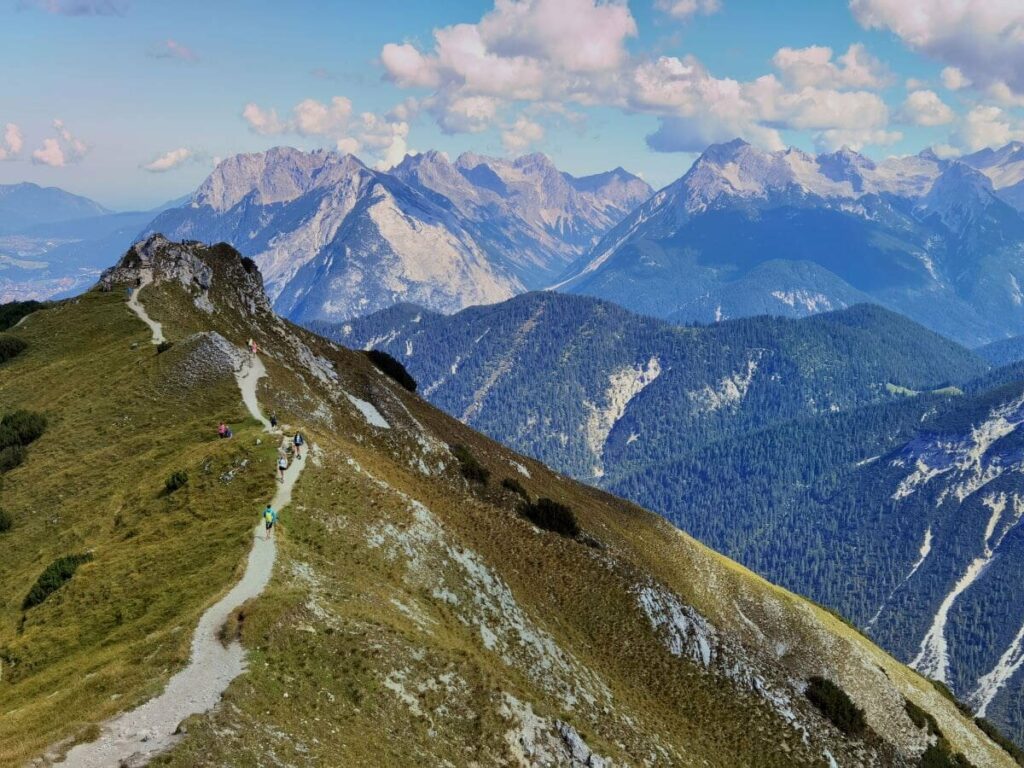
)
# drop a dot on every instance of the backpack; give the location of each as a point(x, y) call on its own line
point(298, 439)
point(282, 463)
point(269, 514)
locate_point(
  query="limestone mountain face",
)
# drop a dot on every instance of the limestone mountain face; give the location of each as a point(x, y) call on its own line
point(748, 232)
point(416, 613)
point(336, 239)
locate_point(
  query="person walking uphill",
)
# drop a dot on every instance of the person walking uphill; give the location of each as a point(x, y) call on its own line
point(298, 442)
point(282, 465)
point(269, 518)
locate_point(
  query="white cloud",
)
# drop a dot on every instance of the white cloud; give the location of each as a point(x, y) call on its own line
point(814, 66)
point(521, 134)
point(263, 121)
point(1001, 93)
point(987, 126)
point(926, 108)
point(172, 49)
point(984, 39)
point(573, 53)
point(170, 160)
point(946, 151)
point(62, 150)
point(685, 9)
point(313, 118)
point(12, 143)
point(914, 84)
point(309, 118)
point(953, 79)
point(384, 136)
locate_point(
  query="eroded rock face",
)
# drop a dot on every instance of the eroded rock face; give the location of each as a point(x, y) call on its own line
point(197, 267)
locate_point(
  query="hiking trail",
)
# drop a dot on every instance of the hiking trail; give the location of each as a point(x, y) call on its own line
point(135, 737)
point(145, 278)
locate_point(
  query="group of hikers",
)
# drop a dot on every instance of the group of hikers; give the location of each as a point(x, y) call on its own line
point(295, 446)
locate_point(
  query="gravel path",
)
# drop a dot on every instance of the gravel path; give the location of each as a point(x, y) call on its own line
point(134, 737)
point(138, 309)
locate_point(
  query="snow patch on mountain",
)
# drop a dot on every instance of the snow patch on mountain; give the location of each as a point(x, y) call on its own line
point(623, 385)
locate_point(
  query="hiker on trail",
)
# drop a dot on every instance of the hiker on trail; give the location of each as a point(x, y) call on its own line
point(273, 421)
point(297, 441)
point(269, 518)
point(282, 465)
point(224, 431)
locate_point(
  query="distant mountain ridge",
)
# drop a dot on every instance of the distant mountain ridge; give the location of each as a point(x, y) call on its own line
point(747, 232)
point(336, 239)
point(25, 205)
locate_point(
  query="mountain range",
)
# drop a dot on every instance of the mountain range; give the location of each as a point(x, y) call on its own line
point(54, 243)
point(747, 232)
point(853, 456)
point(432, 597)
point(336, 239)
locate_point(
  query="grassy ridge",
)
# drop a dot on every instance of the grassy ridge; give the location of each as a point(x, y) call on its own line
point(92, 483)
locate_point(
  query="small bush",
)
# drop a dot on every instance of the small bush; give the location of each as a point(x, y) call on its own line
point(552, 516)
point(11, 347)
point(6, 521)
point(939, 755)
point(471, 469)
point(57, 574)
point(511, 484)
point(177, 480)
point(163, 346)
point(836, 706)
point(11, 457)
point(21, 428)
point(12, 312)
point(921, 718)
point(392, 368)
point(989, 730)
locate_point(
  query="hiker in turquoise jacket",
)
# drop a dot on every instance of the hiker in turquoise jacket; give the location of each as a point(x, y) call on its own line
point(269, 518)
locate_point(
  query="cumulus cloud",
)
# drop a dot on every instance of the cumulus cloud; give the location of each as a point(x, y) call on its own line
point(384, 136)
point(78, 7)
point(987, 126)
point(170, 160)
point(813, 66)
point(924, 107)
point(521, 134)
point(57, 152)
point(573, 53)
point(953, 79)
point(684, 9)
point(984, 39)
point(172, 49)
point(12, 143)
point(308, 118)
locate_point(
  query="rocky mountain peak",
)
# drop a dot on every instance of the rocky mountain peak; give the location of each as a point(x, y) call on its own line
point(279, 175)
point(210, 274)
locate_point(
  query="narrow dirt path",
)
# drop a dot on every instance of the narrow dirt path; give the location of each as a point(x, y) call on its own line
point(138, 309)
point(134, 737)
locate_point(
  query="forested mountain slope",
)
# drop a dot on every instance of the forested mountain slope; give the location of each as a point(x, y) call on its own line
point(417, 614)
point(598, 391)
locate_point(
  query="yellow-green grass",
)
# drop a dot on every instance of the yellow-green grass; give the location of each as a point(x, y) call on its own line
point(118, 426)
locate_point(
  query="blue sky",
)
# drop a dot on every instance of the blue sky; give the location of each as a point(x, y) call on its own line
point(94, 91)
